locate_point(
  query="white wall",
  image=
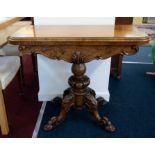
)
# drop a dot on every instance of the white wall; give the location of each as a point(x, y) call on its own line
point(53, 75)
point(74, 21)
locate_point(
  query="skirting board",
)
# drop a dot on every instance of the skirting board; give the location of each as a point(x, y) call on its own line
point(38, 123)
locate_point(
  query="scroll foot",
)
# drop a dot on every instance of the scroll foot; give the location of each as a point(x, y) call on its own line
point(92, 104)
point(108, 126)
point(101, 101)
point(67, 103)
point(57, 100)
point(53, 122)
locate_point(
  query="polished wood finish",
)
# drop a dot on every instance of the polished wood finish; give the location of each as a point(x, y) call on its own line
point(89, 53)
point(116, 60)
point(78, 95)
point(123, 20)
point(79, 45)
point(116, 66)
point(79, 35)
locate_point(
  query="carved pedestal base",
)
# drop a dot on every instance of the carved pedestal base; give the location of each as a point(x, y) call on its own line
point(78, 95)
point(89, 100)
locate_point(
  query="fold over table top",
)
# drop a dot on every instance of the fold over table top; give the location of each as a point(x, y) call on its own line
point(79, 35)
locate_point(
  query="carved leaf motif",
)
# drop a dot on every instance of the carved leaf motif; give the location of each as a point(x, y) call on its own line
point(78, 58)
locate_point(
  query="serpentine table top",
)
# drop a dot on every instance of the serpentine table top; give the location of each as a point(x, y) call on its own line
point(80, 35)
point(93, 41)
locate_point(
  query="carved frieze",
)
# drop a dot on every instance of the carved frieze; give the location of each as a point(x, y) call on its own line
point(78, 53)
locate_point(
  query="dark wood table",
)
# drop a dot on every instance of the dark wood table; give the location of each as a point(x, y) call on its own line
point(79, 45)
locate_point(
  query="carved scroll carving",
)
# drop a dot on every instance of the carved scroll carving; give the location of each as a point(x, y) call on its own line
point(83, 53)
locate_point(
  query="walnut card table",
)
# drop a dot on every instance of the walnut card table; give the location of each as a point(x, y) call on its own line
point(79, 45)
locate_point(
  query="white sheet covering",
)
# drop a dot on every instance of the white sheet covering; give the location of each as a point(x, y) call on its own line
point(9, 66)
